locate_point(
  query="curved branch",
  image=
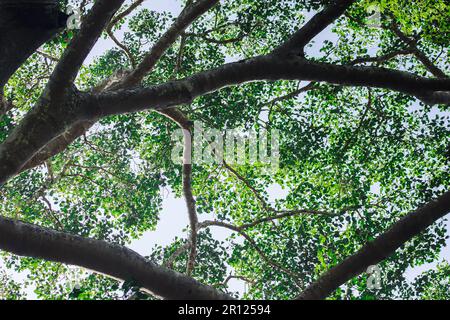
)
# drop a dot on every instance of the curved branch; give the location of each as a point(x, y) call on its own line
point(116, 20)
point(58, 144)
point(181, 119)
point(428, 64)
point(264, 68)
point(116, 261)
point(252, 242)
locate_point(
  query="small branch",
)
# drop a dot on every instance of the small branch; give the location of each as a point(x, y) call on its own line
point(360, 125)
point(293, 94)
point(47, 56)
point(279, 214)
point(249, 281)
point(170, 261)
point(215, 41)
point(263, 203)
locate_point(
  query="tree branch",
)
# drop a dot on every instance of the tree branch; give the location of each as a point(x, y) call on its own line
point(295, 277)
point(187, 16)
point(267, 67)
point(382, 58)
point(58, 144)
point(428, 64)
point(68, 66)
point(116, 20)
point(116, 261)
point(24, 27)
point(295, 45)
point(379, 249)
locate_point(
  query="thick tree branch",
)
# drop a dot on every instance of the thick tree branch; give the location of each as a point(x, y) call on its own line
point(57, 145)
point(178, 117)
point(428, 64)
point(185, 19)
point(24, 27)
point(116, 261)
point(295, 45)
point(42, 124)
point(68, 66)
point(187, 16)
point(192, 212)
point(379, 249)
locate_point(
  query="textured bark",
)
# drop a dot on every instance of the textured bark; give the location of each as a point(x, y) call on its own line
point(189, 14)
point(270, 67)
point(24, 27)
point(379, 249)
point(116, 261)
point(59, 144)
point(59, 107)
point(79, 48)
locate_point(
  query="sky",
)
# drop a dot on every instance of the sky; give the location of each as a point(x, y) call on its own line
point(174, 216)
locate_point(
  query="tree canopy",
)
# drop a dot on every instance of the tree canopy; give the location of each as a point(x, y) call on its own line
point(360, 103)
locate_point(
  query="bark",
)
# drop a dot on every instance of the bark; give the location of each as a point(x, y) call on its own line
point(62, 108)
point(379, 249)
point(189, 14)
point(296, 44)
point(58, 108)
point(79, 48)
point(186, 125)
point(114, 260)
point(57, 145)
point(270, 67)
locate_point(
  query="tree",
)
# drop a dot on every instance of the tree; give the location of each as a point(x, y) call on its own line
point(364, 147)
